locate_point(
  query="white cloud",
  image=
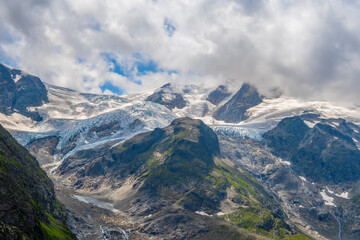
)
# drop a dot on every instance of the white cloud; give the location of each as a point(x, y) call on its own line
point(308, 48)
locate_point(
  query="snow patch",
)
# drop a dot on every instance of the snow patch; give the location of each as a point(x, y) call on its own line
point(271, 111)
point(287, 163)
point(343, 195)
point(336, 124)
point(16, 78)
point(327, 199)
point(303, 179)
point(168, 97)
point(203, 213)
point(311, 124)
point(330, 191)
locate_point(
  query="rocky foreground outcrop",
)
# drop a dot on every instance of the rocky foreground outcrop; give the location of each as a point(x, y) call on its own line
point(28, 205)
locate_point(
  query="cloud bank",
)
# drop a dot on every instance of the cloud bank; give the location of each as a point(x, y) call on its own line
point(306, 48)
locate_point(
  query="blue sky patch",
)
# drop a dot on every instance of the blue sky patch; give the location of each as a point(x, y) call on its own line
point(145, 66)
point(132, 70)
point(149, 66)
point(116, 68)
point(109, 86)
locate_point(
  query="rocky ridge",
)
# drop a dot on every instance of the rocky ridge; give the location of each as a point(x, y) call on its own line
point(29, 208)
point(235, 109)
point(19, 91)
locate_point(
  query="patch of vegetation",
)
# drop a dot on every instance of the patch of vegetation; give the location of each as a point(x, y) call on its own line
point(16, 163)
point(297, 237)
point(244, 183)
point(3, 164)
point(261, 221)
point(56, 230)
point(41, 173)
point(35, 205)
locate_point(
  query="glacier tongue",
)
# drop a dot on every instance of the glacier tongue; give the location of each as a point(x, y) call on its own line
point(236, 131)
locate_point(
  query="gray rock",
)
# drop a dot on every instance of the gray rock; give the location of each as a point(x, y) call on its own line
point(234, 110)
point(28, 91)
point(218, 95)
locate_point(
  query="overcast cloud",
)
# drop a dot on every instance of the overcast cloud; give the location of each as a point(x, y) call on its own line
point(306, 48)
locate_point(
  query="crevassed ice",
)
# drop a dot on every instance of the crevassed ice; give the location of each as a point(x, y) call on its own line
point(242, 132)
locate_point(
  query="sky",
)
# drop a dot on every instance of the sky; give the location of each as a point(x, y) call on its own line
point(308, 49)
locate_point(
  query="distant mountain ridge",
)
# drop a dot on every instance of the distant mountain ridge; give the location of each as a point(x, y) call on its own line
point(19, 90)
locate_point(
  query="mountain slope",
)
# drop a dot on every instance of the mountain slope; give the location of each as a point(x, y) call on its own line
point(323, 156)
point(322, 153)
point(176, 177)
point(28, 205)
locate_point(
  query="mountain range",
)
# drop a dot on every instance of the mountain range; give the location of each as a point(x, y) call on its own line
point(182, 162)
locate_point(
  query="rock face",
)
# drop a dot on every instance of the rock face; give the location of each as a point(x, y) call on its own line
point(167, 98)
point(218, 95)
point(323, 153)
point(28, 205)
point(19, 90)
point(286, 137)
point(234, 110)
point(43, 149)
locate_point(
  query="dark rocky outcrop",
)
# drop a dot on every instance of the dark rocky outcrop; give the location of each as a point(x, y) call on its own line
point(234, 110)
point(167, 98)
point(323, 153)
point(218, 95)
point(28, 205)
point(27, 91)
point(286, 137)
point(43, 149)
